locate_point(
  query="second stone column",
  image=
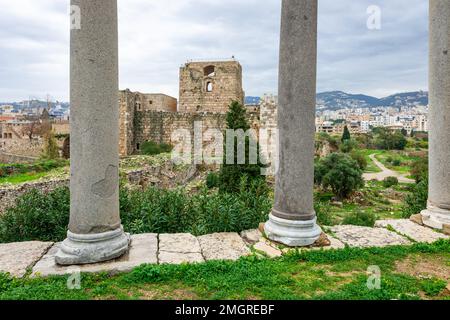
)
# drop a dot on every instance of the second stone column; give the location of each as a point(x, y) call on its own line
point(293, 220)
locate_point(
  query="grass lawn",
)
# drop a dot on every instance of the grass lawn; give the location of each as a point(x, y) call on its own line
point(371, 167)
point(23, 177)
point(420, 271)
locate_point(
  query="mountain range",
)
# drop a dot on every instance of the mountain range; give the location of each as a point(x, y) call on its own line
point(335, 100)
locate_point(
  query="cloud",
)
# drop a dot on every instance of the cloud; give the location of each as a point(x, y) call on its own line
point(157, 37)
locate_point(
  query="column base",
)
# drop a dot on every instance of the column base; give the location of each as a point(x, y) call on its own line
point(92, 248)
point(293, 233)
point(435, 217)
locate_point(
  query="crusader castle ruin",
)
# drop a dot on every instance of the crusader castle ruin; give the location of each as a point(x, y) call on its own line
point(206, 90)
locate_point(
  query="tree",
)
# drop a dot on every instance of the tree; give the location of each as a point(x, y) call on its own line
point(346, 135)
point(390, 140)
point(32, 129)
point(339, 172)
point(231, 174)
point(51, 149)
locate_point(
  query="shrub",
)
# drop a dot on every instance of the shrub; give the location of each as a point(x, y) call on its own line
point(51, 149)
point(45, 217)
point(360, 159)
point(396, 162)
point(340, 173)
point(360, 218)
point(37, 216)
point(388, 140)
point(323, 213)
point(347, 146)
point(419, 169)
point(390, 182)
point(212, 180)
point(152, 148)
point(416, 201)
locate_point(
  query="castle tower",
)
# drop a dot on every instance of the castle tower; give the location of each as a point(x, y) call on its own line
point(210, 86)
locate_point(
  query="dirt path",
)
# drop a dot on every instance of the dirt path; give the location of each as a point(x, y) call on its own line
point(385, 172)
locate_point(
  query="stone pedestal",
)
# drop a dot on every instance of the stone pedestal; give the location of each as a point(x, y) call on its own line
point(293, 220)
point(95, 231)
point(437, 213)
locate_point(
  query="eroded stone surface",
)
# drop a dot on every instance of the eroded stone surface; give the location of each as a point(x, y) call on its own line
point(179, 248)
point(223, 246)
point(143, 250)
point(251, 236)
point(16, 258)
point(267, 249)
point(412, 230)
point(364, 237)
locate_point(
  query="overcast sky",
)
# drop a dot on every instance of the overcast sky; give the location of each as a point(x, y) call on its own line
point(156, 37)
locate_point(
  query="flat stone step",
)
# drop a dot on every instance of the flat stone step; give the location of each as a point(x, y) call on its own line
point(16, 258)
point(412, 230)
point(365, 237)
point(179, 248)
point(143, 250)
point(223, 246)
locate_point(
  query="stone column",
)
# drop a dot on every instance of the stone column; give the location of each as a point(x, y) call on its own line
point(293, 220)
point(95, 231)
point(438, 212)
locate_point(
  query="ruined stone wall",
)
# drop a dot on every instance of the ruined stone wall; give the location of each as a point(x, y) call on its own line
point(210, 86)
point(160, 126)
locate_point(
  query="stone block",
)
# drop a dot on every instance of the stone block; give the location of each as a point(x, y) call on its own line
point(16, 258)
point(412, 230)
point(270, 251)
point(251, 236)
point(365, 237)
point(223, 246)
point(143, 250)
point(417, 218)
point(179, 248)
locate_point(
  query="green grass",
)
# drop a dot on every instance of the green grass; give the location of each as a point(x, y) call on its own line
point(371, 167)
point(23, 177)
point(334, 274)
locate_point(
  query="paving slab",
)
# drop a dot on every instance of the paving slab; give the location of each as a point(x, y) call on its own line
point(223, 246)
point(16, 258)
point(412, 230)
point(143, 250)
point(179, 248)
point(252, 236)
point(365, 237)
point(269, 250)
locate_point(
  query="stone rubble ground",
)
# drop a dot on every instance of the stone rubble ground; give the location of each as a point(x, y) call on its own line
point(19, 259)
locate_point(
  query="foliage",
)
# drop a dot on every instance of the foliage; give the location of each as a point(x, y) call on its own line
point(323, 213)
point(212, 180)
point(37, 216)
point(152, 148)
point(360, 158)
point(390, 182)
point(386, 139)
point(51, 149)
point(44, 217)
point(340, 173)
point(360, 218)
point(416, 201)
point(231, 174)
point(348, 146)
point(419, 169)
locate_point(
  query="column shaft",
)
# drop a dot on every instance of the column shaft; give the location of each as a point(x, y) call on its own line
point(293, 219)
point(95, 231)
point(438, 211)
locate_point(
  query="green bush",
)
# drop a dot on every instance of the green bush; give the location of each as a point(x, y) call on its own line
point(37, 216)
point(390, 182)
point(340, 173)
point(419, 170)
point(7, 170)
point(45, 217)
point(212, 180)
point(323, 211)
point(152, 148)
point(416, 201)
point(347, 146)
point(360, 159)
point(396, 162)
point(386, 139)
point(360, 218)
